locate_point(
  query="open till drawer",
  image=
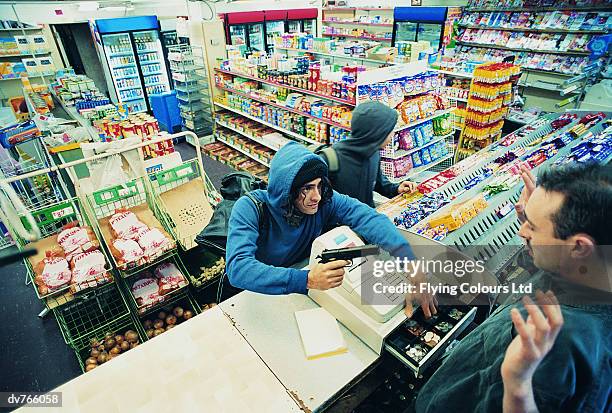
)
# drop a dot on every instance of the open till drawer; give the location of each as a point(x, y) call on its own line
point(418, 342)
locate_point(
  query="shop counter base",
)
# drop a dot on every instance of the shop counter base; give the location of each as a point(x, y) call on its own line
point(202, 365)
point(268, 324)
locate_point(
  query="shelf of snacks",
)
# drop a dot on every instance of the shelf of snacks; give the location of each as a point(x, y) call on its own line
point(363, 50)
point(266, 97)
point(126, 218)
point(362, 35)
point(257, 133)
point(493, 193)
point(229, 156)
point(257, 153)
point(357, 23)
point(91, 315)
point(156, 286)
point(489, 97)
point(305, 81)
point(69, 259)
point(528, 29)
point(181, 197)
point(168, 316)
point(269, 114)
point(492, 45)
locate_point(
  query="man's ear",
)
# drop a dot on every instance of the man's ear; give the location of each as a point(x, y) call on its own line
point(582, 246)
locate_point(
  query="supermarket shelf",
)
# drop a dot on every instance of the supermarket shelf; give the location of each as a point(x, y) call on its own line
point(376, 39)
point(535, 30)
point(189, 68)
point(129, 88)
point(547, 71)
point(246, 135)
point(18, 29)
point(456, 74)
point(191, 97)
point(247, 153)
point(132, 99)
point(122, 54)
point(538, 9)
point(146, 51)
point(149, 63)
point(123, 66)
point(493, 46)
point(416, 171)
point(418, 122)
point(361, 59)
point(28, 76)
point(263, 122)
point(353, 23)
point(155, 84)
point(297, 112)
point(401, 153)
point(151, 74)
point(551, 87)
point(297, 89)
point(25, 54)
point(189, 90)
point(127, 77)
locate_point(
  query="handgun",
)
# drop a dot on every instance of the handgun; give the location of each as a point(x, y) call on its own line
point(348, 254)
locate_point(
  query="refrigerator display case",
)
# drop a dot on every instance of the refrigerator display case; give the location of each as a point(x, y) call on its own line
point(133, 59)
point(245, 28)
point(419, 23)
point(302, 21)
point(256, 37)
point(275, 26)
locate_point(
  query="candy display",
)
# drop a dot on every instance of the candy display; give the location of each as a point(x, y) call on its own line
point(490, 95)
point(307, 42)
point(298, 103)
point(297, 72)
point(419, 209)
point(392, 92)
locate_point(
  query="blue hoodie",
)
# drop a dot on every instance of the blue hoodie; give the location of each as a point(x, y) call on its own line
point(259, 263)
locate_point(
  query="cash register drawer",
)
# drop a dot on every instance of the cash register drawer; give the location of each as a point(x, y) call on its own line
point(418, 342)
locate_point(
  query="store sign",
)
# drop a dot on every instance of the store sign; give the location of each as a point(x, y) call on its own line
point(60, 213)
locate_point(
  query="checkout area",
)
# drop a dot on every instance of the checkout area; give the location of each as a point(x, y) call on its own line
point(247, 354)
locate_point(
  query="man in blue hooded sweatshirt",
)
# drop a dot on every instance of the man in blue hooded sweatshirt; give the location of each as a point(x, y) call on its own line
point(359, 174)
point(301, 206)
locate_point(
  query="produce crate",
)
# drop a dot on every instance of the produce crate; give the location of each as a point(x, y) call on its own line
point(133, 196)
point(201, 257)
point(91, 315)
point(120, 326)
point(183, 202)
point(185, 302)
point(50, 221)
point(162, 299)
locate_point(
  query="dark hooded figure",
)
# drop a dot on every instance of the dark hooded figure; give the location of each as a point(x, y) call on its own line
point(359, 173)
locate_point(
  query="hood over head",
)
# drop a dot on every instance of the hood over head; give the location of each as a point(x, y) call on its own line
point(370, 125)
point(283, 170)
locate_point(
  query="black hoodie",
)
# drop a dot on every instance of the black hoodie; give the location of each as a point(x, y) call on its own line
point(359, 171)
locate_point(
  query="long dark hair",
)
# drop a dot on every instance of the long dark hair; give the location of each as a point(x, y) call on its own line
point(293, 215)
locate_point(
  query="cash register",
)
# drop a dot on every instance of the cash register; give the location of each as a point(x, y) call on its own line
point(373, 323)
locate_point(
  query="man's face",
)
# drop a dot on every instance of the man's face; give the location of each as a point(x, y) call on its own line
point(548, 251)
point(387, 140)
point(309, 197)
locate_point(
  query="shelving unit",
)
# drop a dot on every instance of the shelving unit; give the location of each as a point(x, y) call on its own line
point(349, 36)
point(352, 16)
point(551, 66)
point(188, 73)
point(361, 60)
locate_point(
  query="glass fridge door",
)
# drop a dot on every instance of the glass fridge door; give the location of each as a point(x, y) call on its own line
point(405, 31)
point(237, 35)
point(294, 26)
point(273, 29)
point(123, 69)
point(310, 26)
point(151, 61)
point(256, 37)
point(430, 32)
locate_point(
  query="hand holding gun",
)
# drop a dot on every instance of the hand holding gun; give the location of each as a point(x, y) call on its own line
point(348, 254)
